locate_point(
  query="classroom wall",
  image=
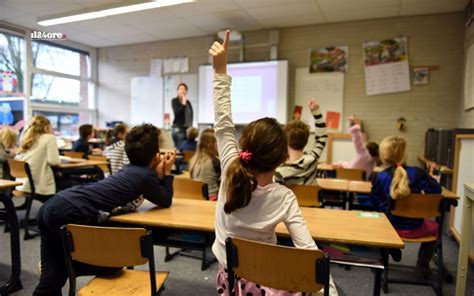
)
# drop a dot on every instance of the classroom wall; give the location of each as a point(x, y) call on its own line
point(433, 40)
point(467, 117)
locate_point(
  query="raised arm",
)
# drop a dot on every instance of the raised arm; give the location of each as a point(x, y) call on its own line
point(224, 127)
point(320, 132)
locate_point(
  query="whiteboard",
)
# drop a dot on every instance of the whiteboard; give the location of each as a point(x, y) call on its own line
point(465, 175)
point(469, 79)
point(170, 91)
point(326, 88)
point(146, 100)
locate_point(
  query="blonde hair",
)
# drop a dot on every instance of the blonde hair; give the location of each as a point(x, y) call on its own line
point(38, 125)
point(206, 149)
point(392, 152)
point(8, 137)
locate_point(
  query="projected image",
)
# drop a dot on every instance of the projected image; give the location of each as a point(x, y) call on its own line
point(258, 90)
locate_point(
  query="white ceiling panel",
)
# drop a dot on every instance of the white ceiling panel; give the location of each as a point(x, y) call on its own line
point(205, 17)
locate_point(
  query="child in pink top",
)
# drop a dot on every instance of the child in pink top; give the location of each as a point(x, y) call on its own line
point(367, 156)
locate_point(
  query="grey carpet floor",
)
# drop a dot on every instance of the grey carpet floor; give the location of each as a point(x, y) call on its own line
point(186, 277)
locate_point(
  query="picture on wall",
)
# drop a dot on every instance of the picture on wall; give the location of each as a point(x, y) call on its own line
point(385, 51)
point(329, 59)
point(421, 76)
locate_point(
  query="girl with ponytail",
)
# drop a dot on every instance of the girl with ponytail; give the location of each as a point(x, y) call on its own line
point(397, 182)
point(250, 205)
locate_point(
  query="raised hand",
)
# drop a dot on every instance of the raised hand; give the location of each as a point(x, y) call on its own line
point(313, 105)
point(219, 55)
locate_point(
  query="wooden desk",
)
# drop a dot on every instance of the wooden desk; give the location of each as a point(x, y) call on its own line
point(325, 225)
point(466, 231)
point(184, 174)
point(5, 184)
point(333, 184)
point(365, 187)
point(80, 164)
point(325, 167)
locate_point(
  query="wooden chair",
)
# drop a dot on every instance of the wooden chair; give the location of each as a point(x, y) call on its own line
point(99, 246)
point(73, 154)
point(350, 174)
point(277, 267)
point(190, 189)
point(307, 195)
point(106, 168)
point(21, 170)
point(423, 206)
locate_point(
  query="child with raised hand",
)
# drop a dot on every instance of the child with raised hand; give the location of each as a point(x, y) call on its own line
point(250, 204)
point(147, 175)
point(398, 181)
point(367, 156)
point(301, 166)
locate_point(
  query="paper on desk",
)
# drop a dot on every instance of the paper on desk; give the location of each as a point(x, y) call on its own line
point(369, 215)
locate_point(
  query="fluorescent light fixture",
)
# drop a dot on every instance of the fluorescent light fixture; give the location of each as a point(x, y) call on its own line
point(104, 12)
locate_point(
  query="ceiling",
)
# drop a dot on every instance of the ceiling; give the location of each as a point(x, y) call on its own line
point(206, 17)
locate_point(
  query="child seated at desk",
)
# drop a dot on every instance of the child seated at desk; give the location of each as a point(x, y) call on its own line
point(205, 165)
point(301, 166)
point(250, 204)
point(147, 175)
point(114, 150)
point(8, 144)
point(39, 149)
point(367, 156)
point(190, 143)
point(398, 181)
point(86, 132)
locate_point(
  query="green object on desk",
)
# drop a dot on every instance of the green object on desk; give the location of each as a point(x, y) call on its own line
point(369, 215)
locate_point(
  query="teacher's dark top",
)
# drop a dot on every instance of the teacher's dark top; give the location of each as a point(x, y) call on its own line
point(183, 114)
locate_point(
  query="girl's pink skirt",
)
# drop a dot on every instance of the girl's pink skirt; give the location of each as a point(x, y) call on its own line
point(243, 287)
point(429, 227)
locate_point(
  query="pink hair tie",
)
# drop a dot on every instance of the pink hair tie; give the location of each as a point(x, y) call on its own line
point(245, 156)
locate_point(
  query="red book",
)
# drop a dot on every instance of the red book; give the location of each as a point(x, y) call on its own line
point(332, 119)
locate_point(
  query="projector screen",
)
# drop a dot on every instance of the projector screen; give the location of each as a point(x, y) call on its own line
point(259, 89)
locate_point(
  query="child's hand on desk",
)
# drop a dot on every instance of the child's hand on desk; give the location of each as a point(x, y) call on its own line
point(219, 55)
point(313, 105)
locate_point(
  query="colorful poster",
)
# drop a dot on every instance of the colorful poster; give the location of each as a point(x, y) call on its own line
point(329, 59)
point(386, 66)
point(297, 112)
point(332, 120)
point(421, 76)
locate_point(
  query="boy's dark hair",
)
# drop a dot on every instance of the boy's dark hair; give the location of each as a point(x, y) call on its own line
point(297, 134)
point(183, 84)
point(86, 130)
point(141, 144)
point(373, 149)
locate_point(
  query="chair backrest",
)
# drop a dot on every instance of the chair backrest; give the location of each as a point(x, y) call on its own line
point(417, 205)
point(307, 195)
point(107, 247)
point(104, 167)
point(187, 155)
point(17, 168)
point(277, 267)
point(350, 174)
point(73, 154)
point(189, 189)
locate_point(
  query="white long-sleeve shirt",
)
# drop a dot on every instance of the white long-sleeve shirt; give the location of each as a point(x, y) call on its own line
point(40, 158)
point(269, 206)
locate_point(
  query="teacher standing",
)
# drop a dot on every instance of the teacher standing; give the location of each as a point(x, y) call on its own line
point(183, 114)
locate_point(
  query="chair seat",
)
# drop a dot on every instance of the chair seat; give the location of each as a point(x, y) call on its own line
point(18, 193)
point(127, 282)
point(424, 239)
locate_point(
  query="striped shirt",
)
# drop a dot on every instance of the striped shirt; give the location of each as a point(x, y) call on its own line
point(116, 155)
point(303, 170)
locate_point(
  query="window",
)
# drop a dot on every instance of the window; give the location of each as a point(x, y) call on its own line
point(12, 65)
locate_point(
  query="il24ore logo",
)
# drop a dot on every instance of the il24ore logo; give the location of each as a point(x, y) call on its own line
point(38, 35)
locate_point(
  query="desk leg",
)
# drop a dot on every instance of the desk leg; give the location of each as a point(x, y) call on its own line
point(14, 283)
point(378, 280)
point(464, 247)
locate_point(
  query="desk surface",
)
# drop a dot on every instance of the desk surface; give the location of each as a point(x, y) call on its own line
point(325, 167)
point(333, 184)
point(365, 187)
point(4, 184)
point(325, 225)
point(80, 164)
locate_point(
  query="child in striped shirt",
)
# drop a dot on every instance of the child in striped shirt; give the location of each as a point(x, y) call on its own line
point(301, 166)
point(115, 149)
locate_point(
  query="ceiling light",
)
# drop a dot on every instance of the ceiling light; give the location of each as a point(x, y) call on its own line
point(104, 12)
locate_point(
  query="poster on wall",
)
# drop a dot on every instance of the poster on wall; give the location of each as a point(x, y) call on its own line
point(329, 59)
point(421, 76)
point(386, 66)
